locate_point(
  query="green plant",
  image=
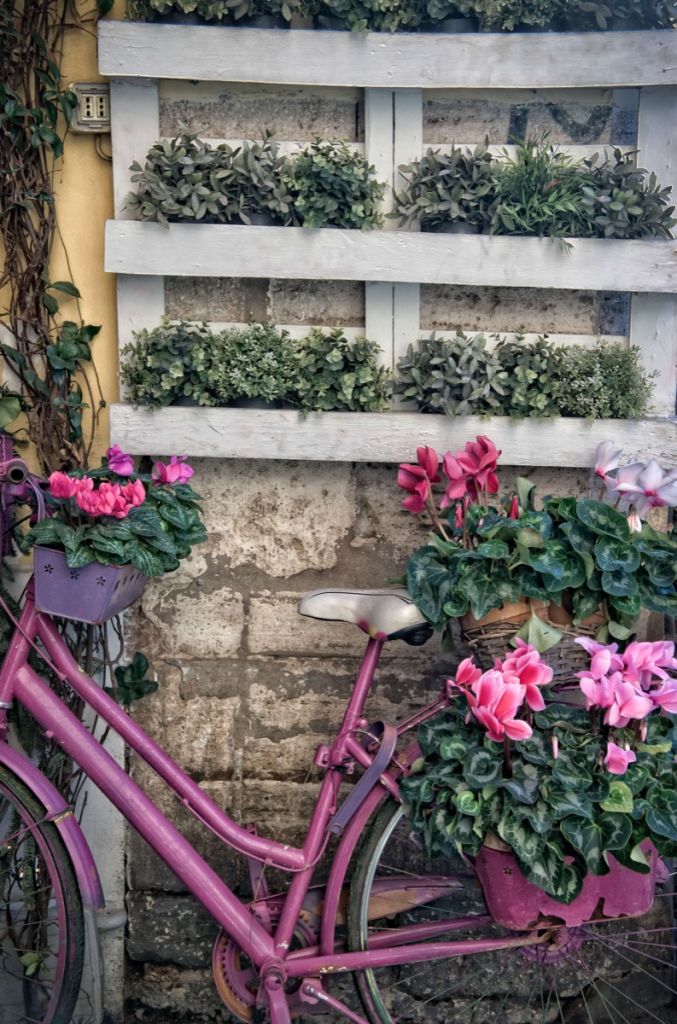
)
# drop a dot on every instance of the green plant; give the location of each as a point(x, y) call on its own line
point(534, 370)
point(169, 362)
point(605, 381)
point(441, 188)
point(332, 185)
point(337, 374)
point(258, 361)
point(373, 15)
point(622, 200)
point(584, 554)
point(186, 179)
point(538, 192)
point(507, 15)
point(116, 516)
point(459, 376)
point(214, 10)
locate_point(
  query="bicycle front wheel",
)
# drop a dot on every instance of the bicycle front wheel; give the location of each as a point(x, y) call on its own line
point(604, 972)
point(41, 918)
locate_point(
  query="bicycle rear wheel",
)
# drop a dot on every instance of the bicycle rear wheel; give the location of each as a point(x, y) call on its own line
point(41, 918)
point(607, 972)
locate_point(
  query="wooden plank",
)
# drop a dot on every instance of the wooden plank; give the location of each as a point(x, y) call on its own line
point(141, 304)
point(215, 250)
point(557, 339)
point(135, 127)
point(378, 149)
point(378, 437)
point(476, 60)
point(653, 318)
point(407, 145)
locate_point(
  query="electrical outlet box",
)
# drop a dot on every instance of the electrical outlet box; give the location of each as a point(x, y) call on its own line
point(92, 113)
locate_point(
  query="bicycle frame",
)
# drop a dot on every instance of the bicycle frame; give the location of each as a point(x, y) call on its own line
point(270, 953)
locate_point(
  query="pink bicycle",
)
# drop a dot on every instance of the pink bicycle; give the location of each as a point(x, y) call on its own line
point(414, 933)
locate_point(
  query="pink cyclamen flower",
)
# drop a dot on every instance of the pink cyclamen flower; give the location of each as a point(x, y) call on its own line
point(600, 666)
point(634, 523)
point(119, 462)
point(646, 486)
point(524, 665)
point(514, 512)
point(629, 703)
point(666, 696)
point(599, 693)
point(466, 674)
point(62, 486)
point(494, 703)
point(646, 662)
point(607, 458)
point(177, 471)
point(418, 479)
point(135, 493)
point(479, 460)
point(457, 486)
point(617, 759)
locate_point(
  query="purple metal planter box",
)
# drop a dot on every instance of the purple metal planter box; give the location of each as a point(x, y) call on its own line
point(92, 593)
point(517, 903)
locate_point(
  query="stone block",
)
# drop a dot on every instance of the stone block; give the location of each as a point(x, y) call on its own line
point(451, 307)
point(326, 303)
point(228, 299)
point(169, 928)
point(244, 111)
point(175, 993)
point(189, 621)
point(281, 518)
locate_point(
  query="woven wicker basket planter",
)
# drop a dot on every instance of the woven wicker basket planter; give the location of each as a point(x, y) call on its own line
point(490, 637)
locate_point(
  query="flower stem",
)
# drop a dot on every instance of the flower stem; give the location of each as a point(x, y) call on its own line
point(507, 763)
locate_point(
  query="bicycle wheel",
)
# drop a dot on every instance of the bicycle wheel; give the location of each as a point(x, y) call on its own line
point(601, 972)
point(41, 919)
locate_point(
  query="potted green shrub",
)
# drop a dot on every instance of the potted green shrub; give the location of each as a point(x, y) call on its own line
point(622, 200)
point(332, 186)
point(368, 15)
point(186, 179)
point(605, 381)
point(174, 363)
point(508, 15)
point(338, 374)
point(256, 367)
point(256, 13)
point(447, 191)
point(459, 376)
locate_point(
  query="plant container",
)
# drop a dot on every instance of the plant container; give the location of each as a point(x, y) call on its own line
point(92, 593)
point(453, 227)
point(516, 903)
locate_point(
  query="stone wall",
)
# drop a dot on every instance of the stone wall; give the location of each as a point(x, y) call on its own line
point(248, 688)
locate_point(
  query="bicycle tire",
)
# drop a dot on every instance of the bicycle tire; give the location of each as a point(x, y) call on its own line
point(615, 972)
point(47, 917)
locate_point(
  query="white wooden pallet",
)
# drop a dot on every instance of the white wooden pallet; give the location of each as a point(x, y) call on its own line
point(394, 70)
point(378, 437)
point(379, 60)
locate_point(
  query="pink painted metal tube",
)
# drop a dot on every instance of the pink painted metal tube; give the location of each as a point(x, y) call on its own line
point(142, 813)
point(278, 854)
point(340, 962)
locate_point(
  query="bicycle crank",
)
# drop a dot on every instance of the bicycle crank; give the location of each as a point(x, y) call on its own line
point(237, 981)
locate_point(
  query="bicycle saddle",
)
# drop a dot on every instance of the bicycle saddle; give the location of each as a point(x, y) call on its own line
point(386, 614)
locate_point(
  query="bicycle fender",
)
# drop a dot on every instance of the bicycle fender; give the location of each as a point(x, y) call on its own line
point(61, 814)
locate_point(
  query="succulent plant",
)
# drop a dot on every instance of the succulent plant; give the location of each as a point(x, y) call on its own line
point(330, 184)
point(622, 200)
point(338, 374)
point(442, 188)
point(459, 376)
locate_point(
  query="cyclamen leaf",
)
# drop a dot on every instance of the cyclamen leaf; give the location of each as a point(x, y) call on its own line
point(482, 768)
point(613, 555)
point(661, 815)
point(146, 561)
point(603, 518)
point(586, 837)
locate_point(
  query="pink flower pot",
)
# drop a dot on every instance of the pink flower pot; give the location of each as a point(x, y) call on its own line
point(92, 593)
point(516, 903)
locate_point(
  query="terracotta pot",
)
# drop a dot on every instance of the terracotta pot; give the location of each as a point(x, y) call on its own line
point(516, 613)
point(514, 902)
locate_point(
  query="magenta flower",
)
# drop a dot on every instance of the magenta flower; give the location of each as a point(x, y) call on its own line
point(599, 693)
point(494, 703)
point(617, 759)
point(629, 703)
point(62, 486)
point(177, 471)
point(644, 662)
point(606, 459)
point(479, 461)
point(119, 462)
point(524, 665)
point(457, 486)
point(418, 479)
point(665, 697)
point(135, 493)
point(466, 674)
point(600, 666)
point(514, 512)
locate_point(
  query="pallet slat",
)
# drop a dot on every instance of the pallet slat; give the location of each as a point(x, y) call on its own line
point(547, 60)
point(378, 437)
